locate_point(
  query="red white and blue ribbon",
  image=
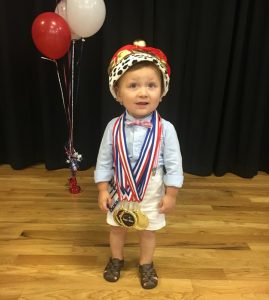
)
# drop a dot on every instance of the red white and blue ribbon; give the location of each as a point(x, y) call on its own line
point(131, 182)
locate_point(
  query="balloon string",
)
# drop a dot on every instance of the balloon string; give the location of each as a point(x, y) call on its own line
point(78, 70)
point(66, 70)
point(60, 83)
point(73, 157)
point(59, 79)
point(72, 94)
point(69, 95)
point(67, 88)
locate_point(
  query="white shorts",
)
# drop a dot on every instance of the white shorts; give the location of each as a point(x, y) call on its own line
point(150, 204)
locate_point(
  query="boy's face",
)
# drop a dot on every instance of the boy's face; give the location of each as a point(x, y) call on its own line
point(140, 91)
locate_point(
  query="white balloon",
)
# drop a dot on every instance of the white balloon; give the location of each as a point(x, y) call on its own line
point(62, 11)
point(85, 17)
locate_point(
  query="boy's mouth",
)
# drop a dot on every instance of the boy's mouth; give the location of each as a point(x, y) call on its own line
point(141, 103)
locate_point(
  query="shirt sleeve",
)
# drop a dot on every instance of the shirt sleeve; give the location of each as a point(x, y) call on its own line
point(172, 157)
point(104, 165)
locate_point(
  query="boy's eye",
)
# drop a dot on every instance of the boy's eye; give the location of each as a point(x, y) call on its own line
point(152, 85)
point(132, 85)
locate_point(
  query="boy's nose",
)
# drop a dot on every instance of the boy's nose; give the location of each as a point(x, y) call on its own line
point(143, 91)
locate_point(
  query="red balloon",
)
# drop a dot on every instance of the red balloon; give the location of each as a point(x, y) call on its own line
point(51, 35)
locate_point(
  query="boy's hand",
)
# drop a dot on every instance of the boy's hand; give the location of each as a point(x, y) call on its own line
point(104, 200)
point(167, 204)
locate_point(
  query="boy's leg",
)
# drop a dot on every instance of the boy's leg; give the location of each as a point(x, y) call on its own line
point(116, 262)
point(148, 275)
point(147, 241)
point(117, 241)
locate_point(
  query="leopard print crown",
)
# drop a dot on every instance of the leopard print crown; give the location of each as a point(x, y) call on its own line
point(129, 55)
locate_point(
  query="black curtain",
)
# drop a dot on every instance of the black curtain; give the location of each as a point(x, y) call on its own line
point(218, 100)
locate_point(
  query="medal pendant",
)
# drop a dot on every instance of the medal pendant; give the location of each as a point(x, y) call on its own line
point(142, 220)
point(125, 217)
point(117, 214)
point(128, 218)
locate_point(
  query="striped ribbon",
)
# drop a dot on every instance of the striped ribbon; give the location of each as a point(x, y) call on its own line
point(131, 182)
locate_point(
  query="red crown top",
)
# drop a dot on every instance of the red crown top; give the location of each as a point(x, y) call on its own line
point(128, 49)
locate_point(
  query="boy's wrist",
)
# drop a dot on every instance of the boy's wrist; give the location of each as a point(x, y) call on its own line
point(171, 191)
point(102, 186)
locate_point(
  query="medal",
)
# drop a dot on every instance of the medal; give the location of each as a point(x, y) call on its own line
point(125, 217)
point(128, 219)
point(142, 220)
point(117, 216)
point(131, 217)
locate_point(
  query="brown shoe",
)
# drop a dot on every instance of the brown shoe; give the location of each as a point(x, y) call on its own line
point(112, 269)
point(148, 276)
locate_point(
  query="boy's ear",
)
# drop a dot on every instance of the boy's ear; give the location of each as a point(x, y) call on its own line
point(116, 89)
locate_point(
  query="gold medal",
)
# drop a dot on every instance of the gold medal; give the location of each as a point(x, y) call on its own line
point(128, 219)
point(125, 216)
point(118, 213)
point(142, 220)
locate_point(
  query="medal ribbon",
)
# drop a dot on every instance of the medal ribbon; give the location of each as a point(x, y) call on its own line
point(131, 182)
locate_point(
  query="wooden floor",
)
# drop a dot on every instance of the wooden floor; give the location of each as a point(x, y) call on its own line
point(54, 245)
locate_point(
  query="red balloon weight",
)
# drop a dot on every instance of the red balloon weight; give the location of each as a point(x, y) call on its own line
point(51, 35)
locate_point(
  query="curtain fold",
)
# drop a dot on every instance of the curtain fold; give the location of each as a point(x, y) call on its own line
point(218, 99)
